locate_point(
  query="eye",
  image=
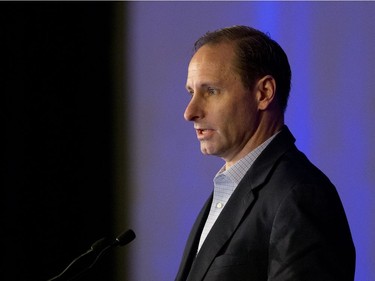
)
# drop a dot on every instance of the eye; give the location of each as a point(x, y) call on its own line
point(212, 91)
point(191, 93)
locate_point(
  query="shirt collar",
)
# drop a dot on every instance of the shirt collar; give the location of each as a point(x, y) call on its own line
point(237, 171)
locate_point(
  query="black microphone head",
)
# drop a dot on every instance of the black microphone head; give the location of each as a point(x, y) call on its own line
point(125, 237)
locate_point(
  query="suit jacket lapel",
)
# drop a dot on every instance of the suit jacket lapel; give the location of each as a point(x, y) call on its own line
point(221, 232)
point(192, 242)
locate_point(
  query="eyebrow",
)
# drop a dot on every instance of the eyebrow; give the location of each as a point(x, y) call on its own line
point(203, 85)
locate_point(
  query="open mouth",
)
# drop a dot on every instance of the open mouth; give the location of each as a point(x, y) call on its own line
point(204, 133)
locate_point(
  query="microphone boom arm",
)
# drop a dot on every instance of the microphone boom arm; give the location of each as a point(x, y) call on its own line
point(88, 259)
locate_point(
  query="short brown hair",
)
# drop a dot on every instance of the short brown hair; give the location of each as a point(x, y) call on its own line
point(257, 56)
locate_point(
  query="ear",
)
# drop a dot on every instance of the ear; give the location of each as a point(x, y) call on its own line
point(266, 90)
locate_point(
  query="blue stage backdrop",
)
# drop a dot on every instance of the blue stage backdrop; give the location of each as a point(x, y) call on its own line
point(331, 47)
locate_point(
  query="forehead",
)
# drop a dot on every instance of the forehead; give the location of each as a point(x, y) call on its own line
point(211, 62)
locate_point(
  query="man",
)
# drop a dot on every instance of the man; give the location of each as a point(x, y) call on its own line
point(273, 216)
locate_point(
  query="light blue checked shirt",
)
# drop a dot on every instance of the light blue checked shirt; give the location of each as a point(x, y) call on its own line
point(225, 182)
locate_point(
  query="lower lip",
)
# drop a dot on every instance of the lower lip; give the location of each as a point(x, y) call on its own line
point(204, 134)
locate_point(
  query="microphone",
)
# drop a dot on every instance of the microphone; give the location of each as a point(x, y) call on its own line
point(87, 260)
point(124, 238)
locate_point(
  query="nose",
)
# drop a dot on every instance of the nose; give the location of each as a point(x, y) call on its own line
point(194, 110)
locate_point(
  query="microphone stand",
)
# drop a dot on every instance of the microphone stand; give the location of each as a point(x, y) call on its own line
point(87, 260)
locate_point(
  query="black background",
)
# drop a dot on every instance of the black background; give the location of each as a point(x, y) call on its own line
point(57, 88)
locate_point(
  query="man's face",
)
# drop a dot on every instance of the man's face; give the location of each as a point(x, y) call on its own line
point(223, 111)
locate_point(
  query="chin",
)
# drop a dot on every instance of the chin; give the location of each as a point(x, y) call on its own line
point(206, 151)
point(209, 151)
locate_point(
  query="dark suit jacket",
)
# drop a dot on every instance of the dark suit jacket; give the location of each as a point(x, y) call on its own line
point(284, 221)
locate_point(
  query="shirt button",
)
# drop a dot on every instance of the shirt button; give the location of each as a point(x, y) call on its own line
point(219, 205)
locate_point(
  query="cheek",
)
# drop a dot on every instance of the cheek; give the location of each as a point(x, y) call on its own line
point(241, 121)
point(241, 113)
point(234, 116)
point(247, 111)
point(232, 123)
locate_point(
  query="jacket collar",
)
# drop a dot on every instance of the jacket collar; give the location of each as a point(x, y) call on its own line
point(262, 166)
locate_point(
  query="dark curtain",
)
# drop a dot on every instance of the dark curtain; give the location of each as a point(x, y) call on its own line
point(58, 96)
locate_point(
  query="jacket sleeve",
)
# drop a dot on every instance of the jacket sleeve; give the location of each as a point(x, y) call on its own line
point(310, 237)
